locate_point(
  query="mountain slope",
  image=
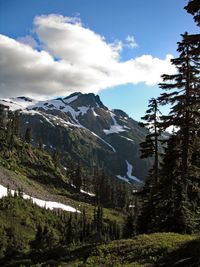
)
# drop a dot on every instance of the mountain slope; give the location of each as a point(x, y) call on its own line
point(82, 128)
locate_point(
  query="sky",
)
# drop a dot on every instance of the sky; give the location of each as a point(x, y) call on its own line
point(117, 49)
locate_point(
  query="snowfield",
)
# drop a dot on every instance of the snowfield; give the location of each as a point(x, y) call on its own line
point(129, 174)
point(42, 203)
point(115, 128)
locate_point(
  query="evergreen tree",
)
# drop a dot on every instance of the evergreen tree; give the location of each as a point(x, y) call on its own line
point(122, 195)
point(28, 134)
point(9, 132)
point(98, 222)
point(99, 219)
point(40, 143)
point(149, 148)
point(83, 226)
point(56, 158)
point(78, 177)
point(16, 123)
point(104, 189)
point(170, 202)
point(113, 195)
point(184, 115)
point(70, 230)
point(1, 115)
point(71, 171)
point(129, 228)
point(193, 7)
point(45, 240)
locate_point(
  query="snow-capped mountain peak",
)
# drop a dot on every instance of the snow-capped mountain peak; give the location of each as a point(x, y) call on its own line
point(80, 123)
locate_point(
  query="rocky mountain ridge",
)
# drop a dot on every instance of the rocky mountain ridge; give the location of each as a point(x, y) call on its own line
point(81, 127)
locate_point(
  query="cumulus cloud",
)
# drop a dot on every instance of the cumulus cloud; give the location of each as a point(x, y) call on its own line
point(71, 58)
point(28, 40)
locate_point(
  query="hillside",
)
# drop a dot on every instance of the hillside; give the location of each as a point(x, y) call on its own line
point(31, 234)
point(158, 249)
point(80, 127)
point(91, 236)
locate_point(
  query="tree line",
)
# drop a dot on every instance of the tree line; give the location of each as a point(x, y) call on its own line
point(172, 191)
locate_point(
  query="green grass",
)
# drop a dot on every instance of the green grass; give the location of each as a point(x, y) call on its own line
point(146, 250)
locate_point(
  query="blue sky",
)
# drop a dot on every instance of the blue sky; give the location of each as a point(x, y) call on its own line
point(117, 49)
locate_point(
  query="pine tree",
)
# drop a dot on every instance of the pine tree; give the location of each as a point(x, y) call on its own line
point(16, 123)
point(98, 222)
point(168, 200)
point(83, 226)
point(184, 97)
point(71, 171)
point(28, 134)
point(40, 143)
point(10, 130)
point(193, 7)
point(150, 147)
point(78, 177)
point(56, 158)
point(44, 241)
point(1, 115)
point(129, 228)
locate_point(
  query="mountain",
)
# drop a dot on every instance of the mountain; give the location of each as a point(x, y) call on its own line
point(82, 128)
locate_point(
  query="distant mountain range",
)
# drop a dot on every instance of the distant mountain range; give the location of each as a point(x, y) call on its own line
point(81, 128)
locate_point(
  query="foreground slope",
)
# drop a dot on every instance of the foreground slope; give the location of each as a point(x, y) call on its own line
point(159, 249)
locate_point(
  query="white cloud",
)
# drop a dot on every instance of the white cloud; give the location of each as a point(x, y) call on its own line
point(131, 41)
point(117, 45)
point(72, 58)
point(28, 40)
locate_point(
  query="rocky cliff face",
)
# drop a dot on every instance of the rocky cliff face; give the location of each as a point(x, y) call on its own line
point(82, 128)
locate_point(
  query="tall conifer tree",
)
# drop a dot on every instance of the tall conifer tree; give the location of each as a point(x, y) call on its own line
point(178, 199)
point(183, 94)
point(149, 148)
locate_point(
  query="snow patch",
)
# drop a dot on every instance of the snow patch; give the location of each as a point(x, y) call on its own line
point(30, 112)
point(88, 193)
point(128, 139)
point(113, 149)
point(115, 128)
point(18, 103)
point(129, 173)
point(83, 110)
point(94, 113)
point(71, 99)
point(97, 105)
point(42, 203)
point(123, 178)
point(12, 106)
point(126, 127)
point(48, 120)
